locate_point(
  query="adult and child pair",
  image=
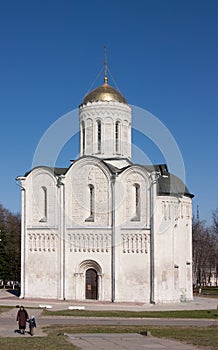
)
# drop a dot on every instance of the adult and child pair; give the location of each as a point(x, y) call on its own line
point(23, 319)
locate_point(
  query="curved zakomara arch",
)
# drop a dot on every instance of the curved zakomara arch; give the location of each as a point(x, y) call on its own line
point(89, 264)
point(34, 187)
point(137, 169)
point(143, 179)
point(90, 160)
point(41, 170)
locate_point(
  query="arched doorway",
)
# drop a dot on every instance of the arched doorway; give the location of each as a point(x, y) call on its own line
point(91, 284)
point(89, 272)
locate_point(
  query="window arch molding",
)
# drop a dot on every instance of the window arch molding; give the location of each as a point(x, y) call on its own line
point(89, 264)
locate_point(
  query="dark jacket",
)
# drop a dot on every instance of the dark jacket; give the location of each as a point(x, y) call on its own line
point(32, 322)
point(22, 317)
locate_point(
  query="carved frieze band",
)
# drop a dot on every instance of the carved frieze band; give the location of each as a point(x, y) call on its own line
point(42, 242)
point(176, 210)
point(135, 243)
point(89, 242)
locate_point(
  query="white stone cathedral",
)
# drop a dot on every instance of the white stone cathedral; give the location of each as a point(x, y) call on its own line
point(105, 228)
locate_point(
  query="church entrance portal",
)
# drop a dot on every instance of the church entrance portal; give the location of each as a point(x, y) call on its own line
point(91, 284)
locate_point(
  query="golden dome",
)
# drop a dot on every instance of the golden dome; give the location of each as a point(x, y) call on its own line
point(106, 93)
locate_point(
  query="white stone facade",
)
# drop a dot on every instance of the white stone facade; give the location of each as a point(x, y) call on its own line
point(102, 229)
point(115, 121)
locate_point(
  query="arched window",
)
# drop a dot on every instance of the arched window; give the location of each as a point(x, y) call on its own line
point(83, 138)
point(137, 203)
point(43, 204)
point(98, 136)
point(91, 203)
point(137, 199)
point(91, 189)
point(117, 137)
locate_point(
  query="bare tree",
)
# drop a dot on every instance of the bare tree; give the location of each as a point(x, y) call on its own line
point(204, 253)
point(214, 230)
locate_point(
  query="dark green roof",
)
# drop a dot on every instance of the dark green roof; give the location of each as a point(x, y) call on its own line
point(169, 184)
point(55, 171)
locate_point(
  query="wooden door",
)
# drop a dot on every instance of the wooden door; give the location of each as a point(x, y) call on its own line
point(91, 284)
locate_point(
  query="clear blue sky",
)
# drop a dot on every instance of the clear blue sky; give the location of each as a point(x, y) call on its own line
point(163, 56)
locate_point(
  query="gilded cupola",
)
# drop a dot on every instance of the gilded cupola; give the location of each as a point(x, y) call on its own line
point(104, 93)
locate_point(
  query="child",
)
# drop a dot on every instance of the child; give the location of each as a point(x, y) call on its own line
point(32, 324)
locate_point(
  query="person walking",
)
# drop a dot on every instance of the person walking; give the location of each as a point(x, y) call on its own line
point(32, 324)
point(22, 319)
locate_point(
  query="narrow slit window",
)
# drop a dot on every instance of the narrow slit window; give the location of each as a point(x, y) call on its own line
point(99, 136)
point(137, 199)
point(91, 188)
point(44, 204)
point(137, 203)
point(117, 137)
point(83, 137)
point(91, 203)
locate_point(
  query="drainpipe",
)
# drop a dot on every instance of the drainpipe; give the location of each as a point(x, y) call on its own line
point(113, 177)
point(23, 238)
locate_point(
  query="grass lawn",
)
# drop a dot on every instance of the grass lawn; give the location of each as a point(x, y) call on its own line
point(206, 337)
point(51, 342)
point(201, 337)
point(136, 314)
point(210, 290)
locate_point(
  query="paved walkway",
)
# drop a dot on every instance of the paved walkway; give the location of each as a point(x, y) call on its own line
point(125, 341)
point(199, 303)
point(8, 325)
